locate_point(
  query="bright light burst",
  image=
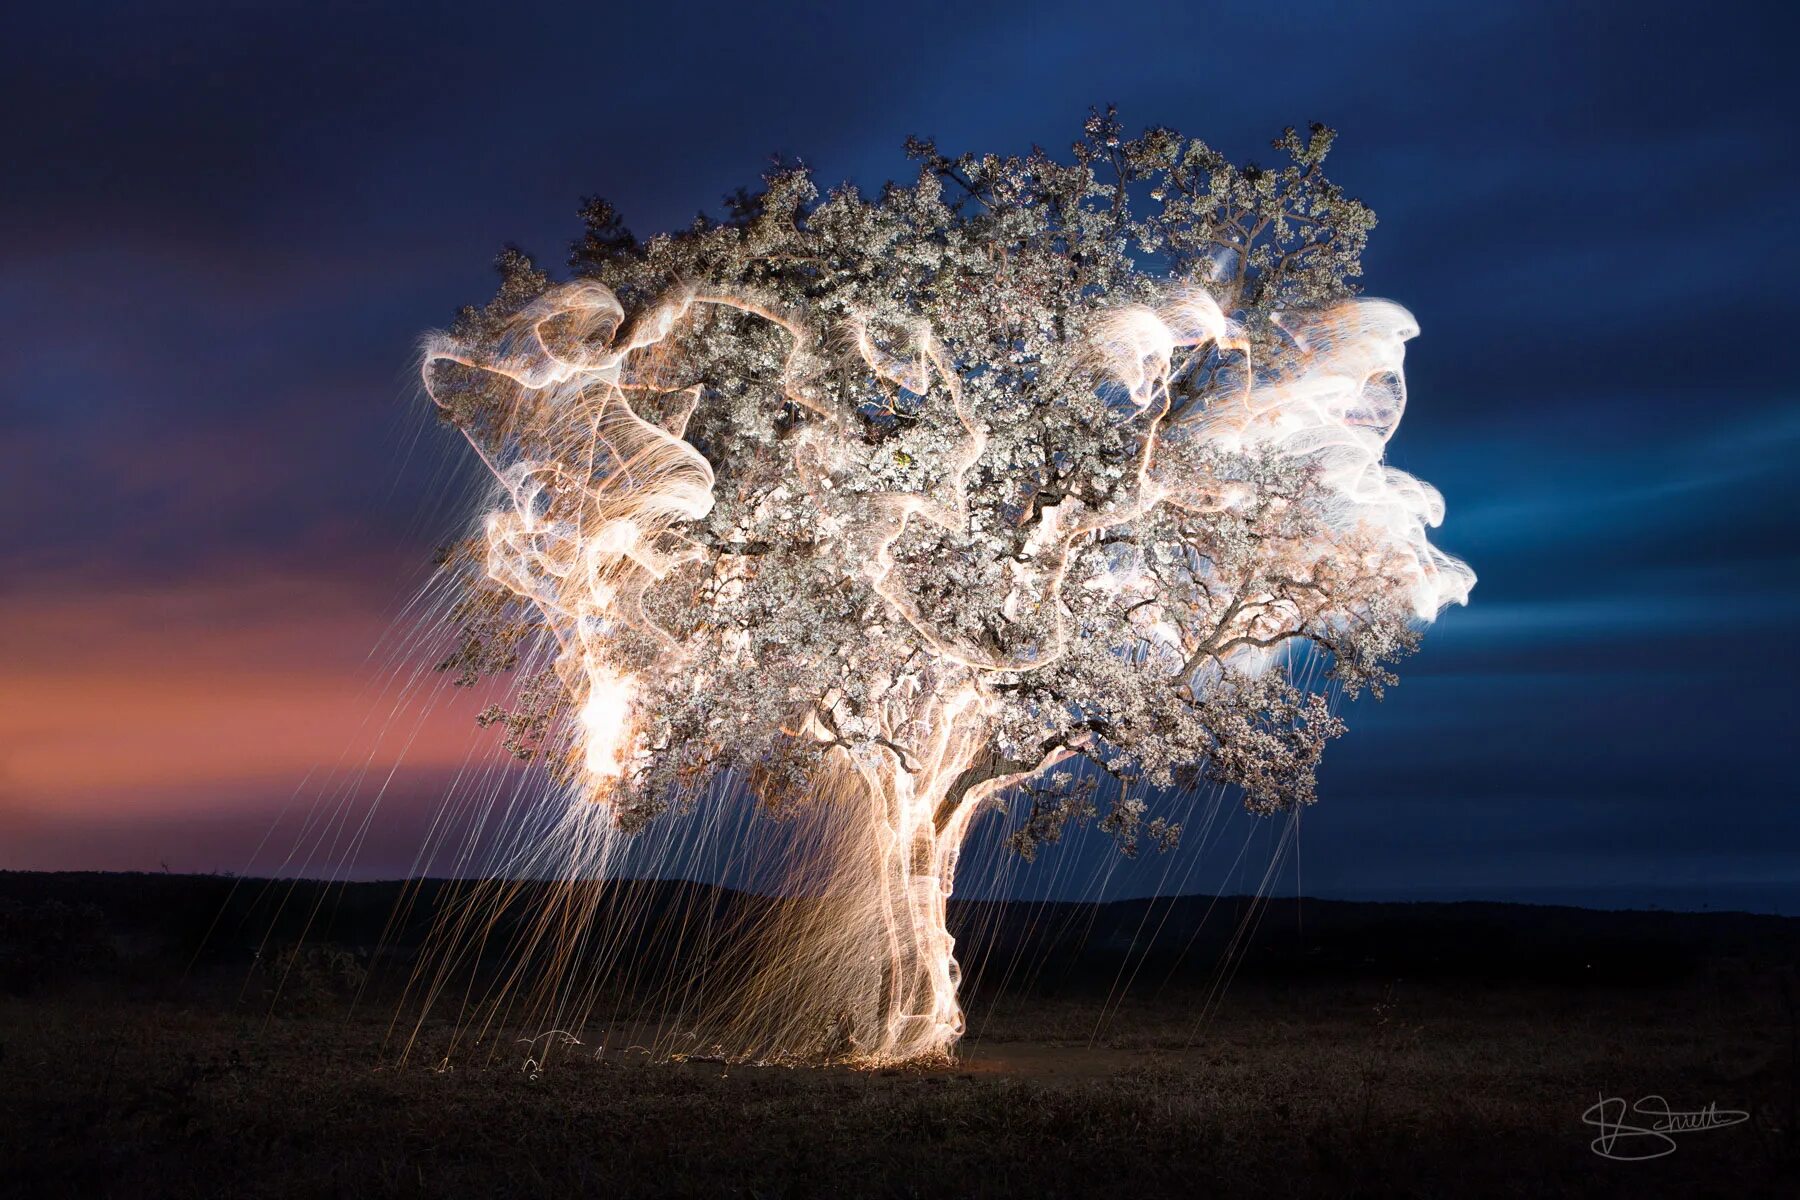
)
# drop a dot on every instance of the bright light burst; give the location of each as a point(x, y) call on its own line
point(879, 510)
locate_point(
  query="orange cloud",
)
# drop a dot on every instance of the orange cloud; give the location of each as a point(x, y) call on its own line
point(117, 699)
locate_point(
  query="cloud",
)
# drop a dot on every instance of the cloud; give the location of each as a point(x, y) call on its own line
point(130, 699)
point(239, 225)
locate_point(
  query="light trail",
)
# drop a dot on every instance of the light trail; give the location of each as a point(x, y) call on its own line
point(601, 528)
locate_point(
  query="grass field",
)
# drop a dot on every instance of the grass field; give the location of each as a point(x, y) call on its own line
point(1386, 1078)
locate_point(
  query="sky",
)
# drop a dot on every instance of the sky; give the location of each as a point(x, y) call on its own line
point(227, 225)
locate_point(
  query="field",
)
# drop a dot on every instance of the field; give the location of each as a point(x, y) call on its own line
point(1378, 1050)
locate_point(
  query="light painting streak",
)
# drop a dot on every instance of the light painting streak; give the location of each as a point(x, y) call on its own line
point(593, 501)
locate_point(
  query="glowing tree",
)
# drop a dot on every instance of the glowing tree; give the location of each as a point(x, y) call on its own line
point(897, 503)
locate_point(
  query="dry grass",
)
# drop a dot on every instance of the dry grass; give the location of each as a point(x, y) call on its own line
point(1371, 1087)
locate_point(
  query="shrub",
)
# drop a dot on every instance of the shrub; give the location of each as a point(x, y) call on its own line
point(49, 941)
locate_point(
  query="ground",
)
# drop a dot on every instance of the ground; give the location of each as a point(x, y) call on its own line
point(1323, 1082)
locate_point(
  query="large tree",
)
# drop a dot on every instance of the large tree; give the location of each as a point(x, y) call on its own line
point(912, 502)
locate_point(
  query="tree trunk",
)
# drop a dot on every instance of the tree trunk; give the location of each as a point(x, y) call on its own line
point(861, 964)
point(917, 1013)
point(921, 819)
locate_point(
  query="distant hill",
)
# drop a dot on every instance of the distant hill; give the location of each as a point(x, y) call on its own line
point(218, 919)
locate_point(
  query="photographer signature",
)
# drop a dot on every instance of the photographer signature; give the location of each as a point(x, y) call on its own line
point(1650, 1133)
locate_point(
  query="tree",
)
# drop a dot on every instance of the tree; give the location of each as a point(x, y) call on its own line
point(912, 502)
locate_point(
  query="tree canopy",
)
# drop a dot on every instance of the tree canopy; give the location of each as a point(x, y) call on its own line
point(1071, 454)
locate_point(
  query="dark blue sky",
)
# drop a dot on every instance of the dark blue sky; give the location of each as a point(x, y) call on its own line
point(227, 224)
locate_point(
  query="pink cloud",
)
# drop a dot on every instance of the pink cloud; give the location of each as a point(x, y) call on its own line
point(190, 714)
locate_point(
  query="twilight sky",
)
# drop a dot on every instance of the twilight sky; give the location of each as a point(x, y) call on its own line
point(227, 224)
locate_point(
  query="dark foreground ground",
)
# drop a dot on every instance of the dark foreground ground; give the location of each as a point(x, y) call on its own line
point(1459, 1060)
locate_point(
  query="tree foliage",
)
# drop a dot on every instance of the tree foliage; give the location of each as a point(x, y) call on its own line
point(1091, 442)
